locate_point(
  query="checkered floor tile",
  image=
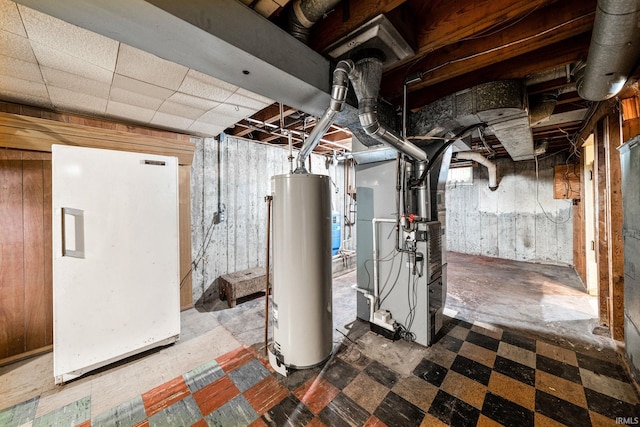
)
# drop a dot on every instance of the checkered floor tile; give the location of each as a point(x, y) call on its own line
point(474, 375)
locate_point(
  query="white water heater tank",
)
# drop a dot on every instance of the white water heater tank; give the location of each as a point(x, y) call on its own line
point(301, 309)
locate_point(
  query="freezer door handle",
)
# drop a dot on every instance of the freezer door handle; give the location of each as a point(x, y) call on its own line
point(75, 226)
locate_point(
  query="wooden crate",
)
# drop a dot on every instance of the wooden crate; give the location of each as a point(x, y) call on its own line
point(241, 284)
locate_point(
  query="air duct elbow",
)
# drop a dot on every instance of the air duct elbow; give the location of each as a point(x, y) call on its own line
point(304, 14)
point(366, 84)
point(614, 50)
point(338, 96)
point(479, 158)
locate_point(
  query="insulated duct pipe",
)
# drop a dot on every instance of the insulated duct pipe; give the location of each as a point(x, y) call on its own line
point(366, 84)
point(304, 14)
point(479, 158)
point(339, 90)
point(614, 50)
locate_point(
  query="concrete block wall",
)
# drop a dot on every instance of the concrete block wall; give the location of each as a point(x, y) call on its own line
point(520, 220)
point(239, 242)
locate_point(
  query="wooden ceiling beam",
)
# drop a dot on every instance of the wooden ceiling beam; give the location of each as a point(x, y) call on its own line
point(445, 21)
point(537, 61)
point(541, 28)
point(550, 85)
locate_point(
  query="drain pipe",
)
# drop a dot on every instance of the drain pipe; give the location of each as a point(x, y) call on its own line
point(614, 50)
point(366, 84)
point(479, 158)
point(304, 14)
point(339, 90)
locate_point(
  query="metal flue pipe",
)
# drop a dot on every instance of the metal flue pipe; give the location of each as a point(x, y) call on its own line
point(366, 84)
point(338, 95)
point(614, 50)
point(479, 158)
point(304, 14)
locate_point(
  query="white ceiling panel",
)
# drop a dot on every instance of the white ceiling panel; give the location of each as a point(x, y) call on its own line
point(170, 121)
point(75, 83)
point(193, 101)
point(146, 67)
point(233, 113)
point(10, 19)
point(213, 117)
point(52, 64)
point(69, 39)
point(180, 110)
point(129, 112)
point(23, 97)
point(28, 88)
point(248, 100)
point(135, 99)
point(206, 129)
point(140, 87)
point(16, 46)
point(61, 61)
point(203, 86)
point(77, 102)
point(20, 69)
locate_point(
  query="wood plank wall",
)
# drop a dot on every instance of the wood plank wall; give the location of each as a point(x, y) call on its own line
point(25, 253)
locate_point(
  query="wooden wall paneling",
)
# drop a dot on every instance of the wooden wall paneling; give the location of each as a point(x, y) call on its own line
point(33, 133)
point(184, 214)
point(616, 242)
point(48, 249)
point(600, 199)
point(11, 255)
point(630, 128)
point(33, 229)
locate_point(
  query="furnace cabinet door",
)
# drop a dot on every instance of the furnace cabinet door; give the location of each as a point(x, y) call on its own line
point(115, 256)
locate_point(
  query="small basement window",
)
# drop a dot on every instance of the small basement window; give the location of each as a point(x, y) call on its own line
point(460, 176)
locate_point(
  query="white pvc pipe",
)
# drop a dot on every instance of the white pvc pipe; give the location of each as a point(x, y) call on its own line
point(479, 158)
point(376, 284)
point(368, 296)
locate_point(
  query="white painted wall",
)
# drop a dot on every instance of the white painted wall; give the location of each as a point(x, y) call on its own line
point(239, 242)
point(520, 220)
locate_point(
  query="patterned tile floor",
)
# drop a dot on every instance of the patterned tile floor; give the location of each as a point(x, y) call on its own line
point(475, 374)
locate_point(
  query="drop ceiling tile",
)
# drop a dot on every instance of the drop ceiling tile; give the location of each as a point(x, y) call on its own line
point(243, 98)
point(124, 96)
point(206, 129)
point(68, 100)
point(129, 112)
point(181, 110)
point(216, 118)
point(69, 39)
point(146, 67)
point(24, 98)
point(170, 121)
point(60, 61)
point(203, 86)
point(10, 19)
point(193, 101)
point(234, 112)
point(16, 46)
point(74, 83)
point(256, 97)
point(23, 87)
point(137, 86)
point(12, 67)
